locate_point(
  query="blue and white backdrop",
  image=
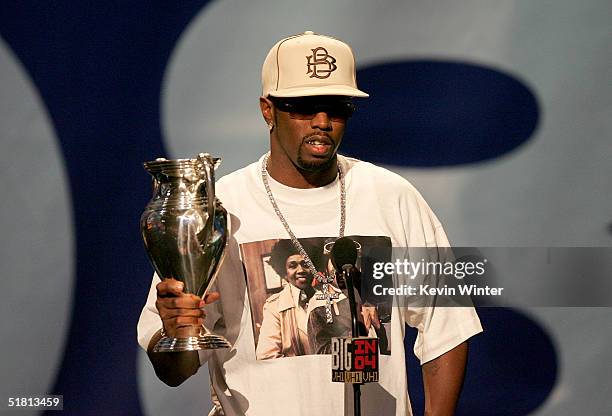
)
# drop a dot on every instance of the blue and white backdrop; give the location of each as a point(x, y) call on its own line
point(499, 111)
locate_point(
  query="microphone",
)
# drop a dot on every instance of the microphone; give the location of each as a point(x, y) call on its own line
point(355, 358)
point(344, 257)
point(344, 252)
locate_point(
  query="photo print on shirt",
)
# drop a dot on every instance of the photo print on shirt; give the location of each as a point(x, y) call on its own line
point(288, 317)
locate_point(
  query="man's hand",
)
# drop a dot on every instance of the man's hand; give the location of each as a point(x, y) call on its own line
point(181, 313)
point(182, 316)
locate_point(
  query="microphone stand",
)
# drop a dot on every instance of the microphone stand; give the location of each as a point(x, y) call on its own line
point(347, 270)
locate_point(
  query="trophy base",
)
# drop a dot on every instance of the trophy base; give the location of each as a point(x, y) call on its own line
point(202, 342)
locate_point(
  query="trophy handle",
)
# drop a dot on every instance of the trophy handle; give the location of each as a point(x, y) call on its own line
point(208, 172)
point(155, 185)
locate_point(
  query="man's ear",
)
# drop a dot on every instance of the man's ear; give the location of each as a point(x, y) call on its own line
point(267, 111)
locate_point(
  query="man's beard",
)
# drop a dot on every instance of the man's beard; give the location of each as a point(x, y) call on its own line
point(316, 165)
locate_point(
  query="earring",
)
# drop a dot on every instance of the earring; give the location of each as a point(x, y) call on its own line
point(270, 125)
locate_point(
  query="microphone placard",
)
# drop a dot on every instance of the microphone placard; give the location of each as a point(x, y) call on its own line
point(354, 360)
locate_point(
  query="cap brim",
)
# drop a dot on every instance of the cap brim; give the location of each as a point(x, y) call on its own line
point(320, 90)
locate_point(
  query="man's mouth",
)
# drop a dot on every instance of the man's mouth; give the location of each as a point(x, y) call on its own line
point(318, 145)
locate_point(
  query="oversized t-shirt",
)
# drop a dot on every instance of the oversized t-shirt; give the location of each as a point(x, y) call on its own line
point(380, 206)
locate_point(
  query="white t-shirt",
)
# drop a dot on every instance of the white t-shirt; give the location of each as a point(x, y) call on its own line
point(378, 203)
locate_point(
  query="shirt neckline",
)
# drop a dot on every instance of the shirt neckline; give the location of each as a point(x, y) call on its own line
point(302, 196)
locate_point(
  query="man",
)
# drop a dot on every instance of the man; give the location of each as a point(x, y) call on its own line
point(283, 330)
point(302, 188)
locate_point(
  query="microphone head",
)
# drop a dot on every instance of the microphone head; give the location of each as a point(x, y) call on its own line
point(344, 252)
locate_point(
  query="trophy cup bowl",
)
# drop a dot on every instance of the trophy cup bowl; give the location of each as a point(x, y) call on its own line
point(185, 230)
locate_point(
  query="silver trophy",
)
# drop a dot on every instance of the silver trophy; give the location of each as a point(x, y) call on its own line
point(185, 231)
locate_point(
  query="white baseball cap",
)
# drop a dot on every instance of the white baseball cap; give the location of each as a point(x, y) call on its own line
point(310, 64)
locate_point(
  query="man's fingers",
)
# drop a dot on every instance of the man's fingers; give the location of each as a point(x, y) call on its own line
point(194, 313)
point(182, 302)
point(170, 287)
point(211, 297)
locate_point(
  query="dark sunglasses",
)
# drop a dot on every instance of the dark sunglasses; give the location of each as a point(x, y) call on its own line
point(305, 109)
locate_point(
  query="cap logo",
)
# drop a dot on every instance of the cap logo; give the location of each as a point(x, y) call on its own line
point(320, 64)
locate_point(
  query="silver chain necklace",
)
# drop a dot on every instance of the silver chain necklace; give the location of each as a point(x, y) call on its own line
point(325, 278)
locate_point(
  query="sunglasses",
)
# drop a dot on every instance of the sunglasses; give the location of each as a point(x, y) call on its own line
point(305, 109)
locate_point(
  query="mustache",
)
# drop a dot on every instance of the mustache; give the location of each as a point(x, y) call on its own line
point(320, 134)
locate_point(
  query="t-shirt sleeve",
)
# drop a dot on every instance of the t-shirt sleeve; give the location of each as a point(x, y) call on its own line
point(440, 328)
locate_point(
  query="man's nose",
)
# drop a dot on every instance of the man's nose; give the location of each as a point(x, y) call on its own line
point(322, 121)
